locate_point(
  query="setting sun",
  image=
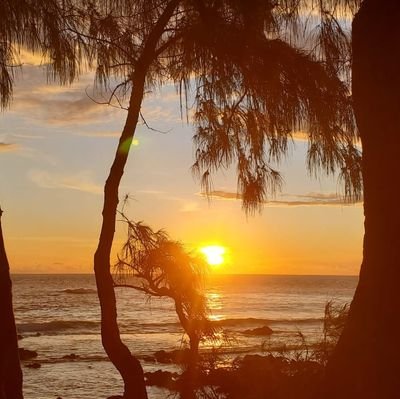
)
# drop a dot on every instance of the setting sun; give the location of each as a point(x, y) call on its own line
point(214, 254)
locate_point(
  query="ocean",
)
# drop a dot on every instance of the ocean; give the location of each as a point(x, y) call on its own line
point(58, 315)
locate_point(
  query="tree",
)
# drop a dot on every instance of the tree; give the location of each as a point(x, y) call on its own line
point(365, 362)
point(251, 91)
point(10, 368)
point(152, 263)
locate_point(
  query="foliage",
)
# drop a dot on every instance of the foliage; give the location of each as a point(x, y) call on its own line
point(335, 317)
point(37, 26)
point(152, 263)
point(257, 75)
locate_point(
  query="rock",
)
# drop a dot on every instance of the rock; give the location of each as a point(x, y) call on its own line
point(162, 357)
point(175, 356)
point(71, 356)
point(33, 365)
point(161, 378)
point(26, 354)
point(259, 331)
point(148, 358)
point(19, 336)
point(38, 334)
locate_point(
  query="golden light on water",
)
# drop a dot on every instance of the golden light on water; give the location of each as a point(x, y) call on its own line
point(214, 254)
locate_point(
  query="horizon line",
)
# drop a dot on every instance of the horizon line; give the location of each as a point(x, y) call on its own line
point(210, 274)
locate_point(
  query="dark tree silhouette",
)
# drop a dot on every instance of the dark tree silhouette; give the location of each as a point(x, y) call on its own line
point(152, 263)
point(366, 361)
point(10, 369)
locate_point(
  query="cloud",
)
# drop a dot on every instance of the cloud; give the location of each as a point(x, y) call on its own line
point(104, 134)
point(28, 57)
point(190, 207)
point(309, 199)
point(28, 136)
point(80, 182)
point(55, 104)
point(62, 109)
point(8, 147)
point(300, 136)
point(151, 191)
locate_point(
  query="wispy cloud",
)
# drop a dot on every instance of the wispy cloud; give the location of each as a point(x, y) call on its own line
point(308, 199)
point(190, 206)
point(28, 136)
point(104, 134)
point(63, 109)
point(80, 182)
point(151, 191)
point(8, 147)
point(58, 105)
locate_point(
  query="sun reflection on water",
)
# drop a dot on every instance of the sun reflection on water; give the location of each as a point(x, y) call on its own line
point(215, 305)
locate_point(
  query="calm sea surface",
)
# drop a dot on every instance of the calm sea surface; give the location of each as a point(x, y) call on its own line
point(59, 315)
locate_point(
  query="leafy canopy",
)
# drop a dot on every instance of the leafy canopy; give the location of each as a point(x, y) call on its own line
point(258, 72)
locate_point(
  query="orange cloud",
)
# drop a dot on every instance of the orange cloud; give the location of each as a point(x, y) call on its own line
point(79, 182)
point(309, 199)
point(8, 147)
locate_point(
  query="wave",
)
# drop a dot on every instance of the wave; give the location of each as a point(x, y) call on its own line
point(78, 358)
point(84, 325)
point(235, 322)
point(79, 291)
point(256, 321)
point(57, 325)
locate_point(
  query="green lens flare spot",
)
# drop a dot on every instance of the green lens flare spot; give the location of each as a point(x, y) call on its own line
point(125, 146)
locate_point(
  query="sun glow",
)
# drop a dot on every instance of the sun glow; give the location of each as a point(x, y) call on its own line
point(214, 254)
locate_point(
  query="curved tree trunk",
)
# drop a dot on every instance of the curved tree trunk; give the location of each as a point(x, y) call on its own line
point(365, 363)
point(128, 366)
point(10, 368)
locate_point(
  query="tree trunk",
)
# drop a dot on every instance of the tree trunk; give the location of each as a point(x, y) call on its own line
point(10, 368)
point(128, 366)
point(365, 363)
point(191, 375)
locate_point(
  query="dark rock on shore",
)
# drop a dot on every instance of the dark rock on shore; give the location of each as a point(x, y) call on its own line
point(33, 365)
point(148, 358)
point(265, 330)
point(71, 356)
point(26, 354)
point(176, 356)
point(161, 378)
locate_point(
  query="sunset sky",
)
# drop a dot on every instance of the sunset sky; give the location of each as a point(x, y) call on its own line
point(56, 146)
